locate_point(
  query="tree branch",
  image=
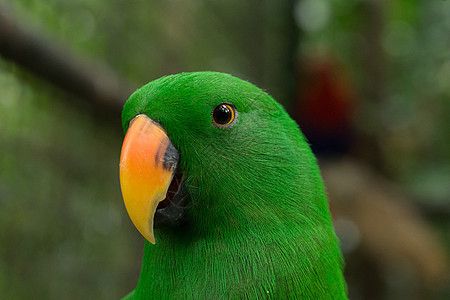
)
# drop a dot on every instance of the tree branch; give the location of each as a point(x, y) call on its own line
point(96, 84)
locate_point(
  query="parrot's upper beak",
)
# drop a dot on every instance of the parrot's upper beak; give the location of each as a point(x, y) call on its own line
point(147, 166)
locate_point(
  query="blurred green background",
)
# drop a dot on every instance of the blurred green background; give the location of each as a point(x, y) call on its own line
point(64, 232)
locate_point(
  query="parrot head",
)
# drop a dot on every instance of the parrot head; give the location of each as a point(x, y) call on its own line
point(213, 152)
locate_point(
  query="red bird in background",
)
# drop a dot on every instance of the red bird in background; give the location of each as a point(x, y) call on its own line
point(325, 105)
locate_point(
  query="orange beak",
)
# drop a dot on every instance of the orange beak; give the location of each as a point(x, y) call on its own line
point(147, 165)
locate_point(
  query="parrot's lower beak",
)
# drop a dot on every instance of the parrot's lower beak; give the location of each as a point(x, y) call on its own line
point(147, 166)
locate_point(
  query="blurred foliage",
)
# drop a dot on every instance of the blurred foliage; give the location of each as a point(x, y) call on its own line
point(64, 231)
point(146, 39)
point(407, 103)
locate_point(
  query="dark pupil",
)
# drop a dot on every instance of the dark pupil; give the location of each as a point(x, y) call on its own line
point(222, 114)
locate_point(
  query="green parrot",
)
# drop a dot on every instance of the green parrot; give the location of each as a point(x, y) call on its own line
point(229, 182)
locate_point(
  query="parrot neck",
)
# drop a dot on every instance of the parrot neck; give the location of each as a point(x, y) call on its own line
point(283, 260)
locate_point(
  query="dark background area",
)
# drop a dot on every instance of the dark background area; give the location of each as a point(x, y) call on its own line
point(367, 81)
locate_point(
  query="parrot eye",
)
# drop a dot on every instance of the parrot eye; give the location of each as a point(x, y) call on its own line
point(224, 115)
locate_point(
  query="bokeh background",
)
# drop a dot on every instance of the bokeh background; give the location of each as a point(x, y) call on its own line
point(368, 81)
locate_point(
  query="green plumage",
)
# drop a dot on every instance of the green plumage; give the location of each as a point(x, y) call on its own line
point(258, 224)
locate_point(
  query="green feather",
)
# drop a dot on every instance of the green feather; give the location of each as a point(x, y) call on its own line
point(258, 220)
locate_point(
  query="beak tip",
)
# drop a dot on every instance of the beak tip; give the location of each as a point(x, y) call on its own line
point(151, 238)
